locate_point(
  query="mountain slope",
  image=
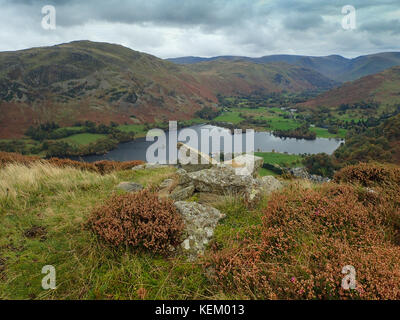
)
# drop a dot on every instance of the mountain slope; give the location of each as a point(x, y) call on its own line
point(103, 82)
point(334, 67)
point(383, 88)
point(227, 77)
point(91, 81)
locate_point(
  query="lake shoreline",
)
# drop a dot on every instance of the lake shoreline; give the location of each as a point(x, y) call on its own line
point(264, 142)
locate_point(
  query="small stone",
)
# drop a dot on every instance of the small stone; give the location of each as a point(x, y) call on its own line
point(183, 178)
point(140, 167)
point(130, 186)
point(210, 232)
point(149, 166)
point(181, 193)
point(166, 183)
point(155, 166)
point(186, 244)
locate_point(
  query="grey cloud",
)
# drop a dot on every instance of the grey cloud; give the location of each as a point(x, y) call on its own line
point(302, 21)
point(391, 26)
point(207, 27)
point(215, 13)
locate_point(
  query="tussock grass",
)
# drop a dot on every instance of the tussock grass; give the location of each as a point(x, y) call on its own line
point(20, 184)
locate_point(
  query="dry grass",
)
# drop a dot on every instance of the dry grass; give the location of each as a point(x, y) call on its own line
point(102, 167)
point(20, 184)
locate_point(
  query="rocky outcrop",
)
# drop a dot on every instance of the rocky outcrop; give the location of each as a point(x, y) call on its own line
point(225, 181)
point(303, 174)
point(220, 180)
point(200, 222)
point(193, 160)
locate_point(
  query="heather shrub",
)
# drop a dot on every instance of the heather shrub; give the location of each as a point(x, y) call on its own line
point(67, 163)
point(306, 238)
point(102, 167)
point(140, 220)
point(10, 157)
point(106, 166)
point(369, 175)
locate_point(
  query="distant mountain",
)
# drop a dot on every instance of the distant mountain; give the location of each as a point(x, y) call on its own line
point(104, 82)
point(334, 67)
point(93, 81)
point(383, 87)
point(228, 77)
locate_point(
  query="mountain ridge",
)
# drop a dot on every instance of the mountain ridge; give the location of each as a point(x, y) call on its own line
point(335, 67)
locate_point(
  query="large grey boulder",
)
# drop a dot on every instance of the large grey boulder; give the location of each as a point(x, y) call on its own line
point(268, 184)
point(195, 160)
point(263, 187)
point(302, 173)
point(200, 222)
point(245, 164)
point(130, 186)
point(191, 159)
point(220, 180)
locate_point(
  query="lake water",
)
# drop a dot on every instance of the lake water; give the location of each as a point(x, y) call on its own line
point(263, 142)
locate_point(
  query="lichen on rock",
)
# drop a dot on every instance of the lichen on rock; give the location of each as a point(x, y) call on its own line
point(200, 222)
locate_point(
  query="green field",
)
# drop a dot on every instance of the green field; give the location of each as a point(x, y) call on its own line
point(136, 128)
point(280, 158)
point(323, 133)
point(265, 172)
point(83, 138)
point(230, 116)
point(275, 117)
point(140, 130)
point(278, 123)
point(69, 128)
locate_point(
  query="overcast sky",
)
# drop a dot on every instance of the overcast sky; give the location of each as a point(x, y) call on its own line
point(173, 28)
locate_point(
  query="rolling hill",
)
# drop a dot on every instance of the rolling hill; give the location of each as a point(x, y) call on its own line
point(334, 67)
point(103, 82)
point(383, 88)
